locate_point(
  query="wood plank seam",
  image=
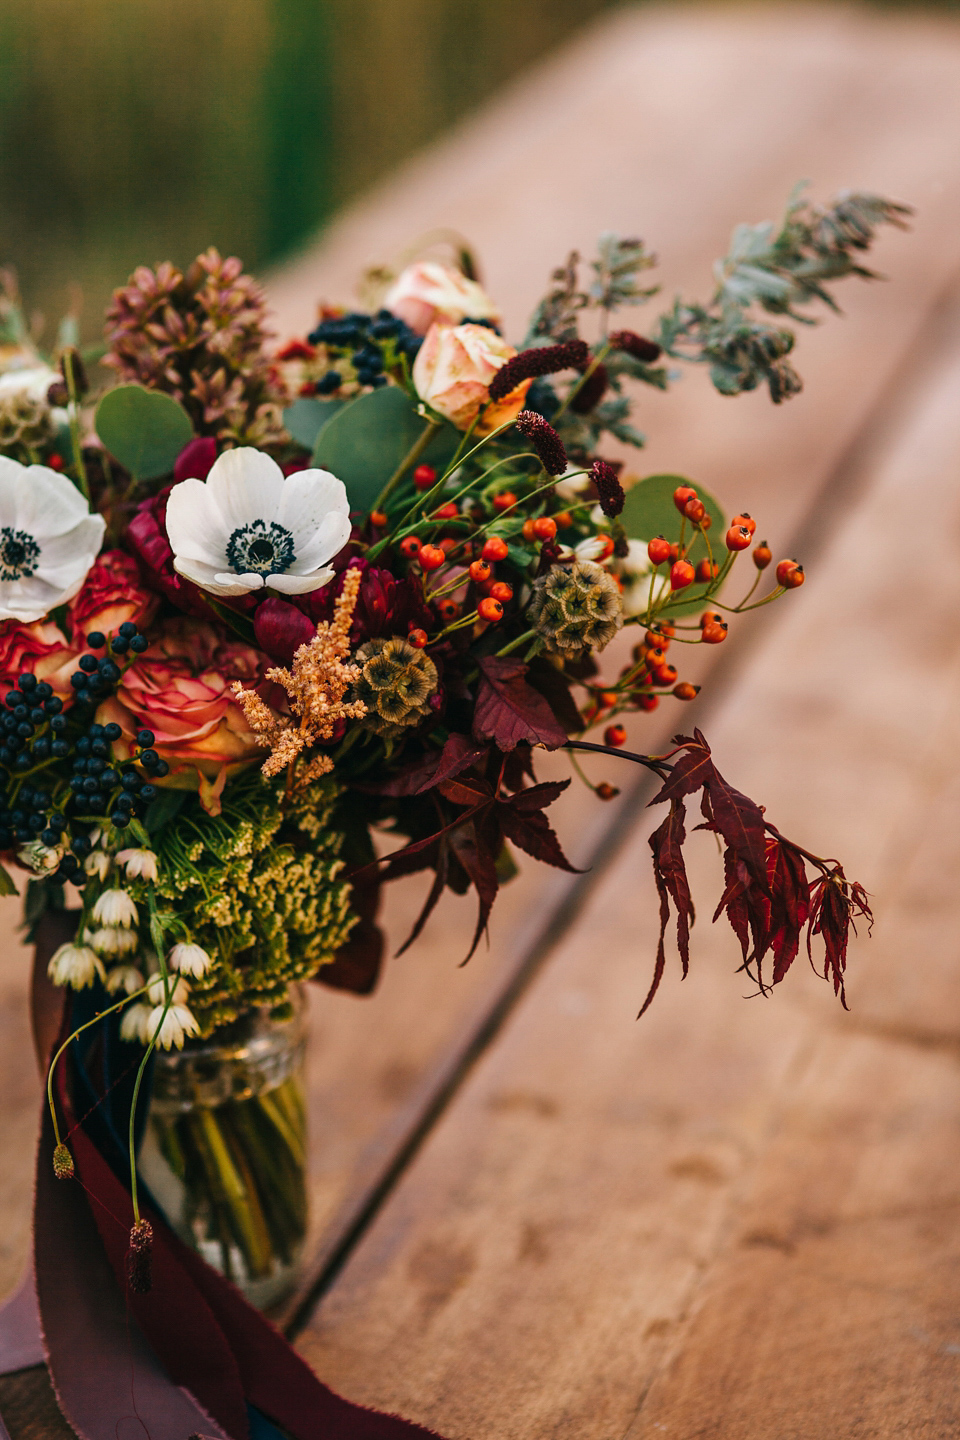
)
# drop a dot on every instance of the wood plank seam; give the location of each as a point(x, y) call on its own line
point(836, 497)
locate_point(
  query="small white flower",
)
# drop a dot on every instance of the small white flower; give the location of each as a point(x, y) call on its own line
point(179, 992)
point(126, 978)
point(75, 965)
point(246, 526)
point(40, 858)
point(189, 960)
point(177, 1024)
point(115, 907)
point(97, 864)
point(113, 940)
point(135, 1024)
point(138, 862)
point(48, 540)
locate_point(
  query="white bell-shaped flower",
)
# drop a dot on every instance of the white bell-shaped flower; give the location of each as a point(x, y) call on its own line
point(175, 1027)
point(189, 960)
point(75, 965)
point(48, 540)
point(247, 526)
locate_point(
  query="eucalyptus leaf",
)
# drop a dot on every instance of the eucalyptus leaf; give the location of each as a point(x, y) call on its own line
point(164, 808)
point(366, 441)
point(144, 430)
point(306, 417)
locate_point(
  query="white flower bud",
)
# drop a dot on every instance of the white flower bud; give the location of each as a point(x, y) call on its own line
point(189, 960)
point(40, 858)
point(178, 1024)
point(135, 1024)
point(98, 864)
point(115, 907)
point(75, 965)
point(142, 863)
point(179, 991)
point(112, 940)
point(126, 978)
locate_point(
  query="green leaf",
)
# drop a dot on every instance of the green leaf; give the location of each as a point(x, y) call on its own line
point(164, 808)
point(7, 886)
point(650, 511)
point(365, 442)
point(306, 417)
point(144, 430)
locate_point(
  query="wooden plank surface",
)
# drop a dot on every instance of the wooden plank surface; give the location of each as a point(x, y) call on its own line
point(783, 1172)
point(677, 123)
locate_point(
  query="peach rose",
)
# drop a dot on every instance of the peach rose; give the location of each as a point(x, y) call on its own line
point(180, 689)
point(428, 292)
point(453, 369)
point(39, 649)
point(111, 594)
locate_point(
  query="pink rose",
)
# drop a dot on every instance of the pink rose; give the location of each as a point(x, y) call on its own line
point(453, 369)
point(181, 690)
point(111, 594)
point(428, 292)
point(39, 649)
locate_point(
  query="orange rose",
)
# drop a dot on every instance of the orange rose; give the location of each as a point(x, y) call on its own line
point(429, 291)
point(39, 649)
point(111, 594)
point(180, 689)
point(453, 369)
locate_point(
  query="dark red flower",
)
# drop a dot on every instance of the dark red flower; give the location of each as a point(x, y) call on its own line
point(544, 360)
point(195, 459)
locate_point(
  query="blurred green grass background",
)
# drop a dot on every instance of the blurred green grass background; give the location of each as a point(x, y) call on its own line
point(137, 130)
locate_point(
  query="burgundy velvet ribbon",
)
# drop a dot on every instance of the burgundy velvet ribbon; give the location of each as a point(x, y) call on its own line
point(186, 1358)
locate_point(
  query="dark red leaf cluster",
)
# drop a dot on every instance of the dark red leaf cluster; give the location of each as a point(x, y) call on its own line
point(769, 898)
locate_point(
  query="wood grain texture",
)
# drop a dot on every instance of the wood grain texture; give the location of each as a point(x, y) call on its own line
point(535, 1270)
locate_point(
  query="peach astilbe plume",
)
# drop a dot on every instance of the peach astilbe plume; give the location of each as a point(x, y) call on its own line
point(316, 684)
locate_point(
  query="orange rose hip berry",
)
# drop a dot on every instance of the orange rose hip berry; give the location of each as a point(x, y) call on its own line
point(790, 574)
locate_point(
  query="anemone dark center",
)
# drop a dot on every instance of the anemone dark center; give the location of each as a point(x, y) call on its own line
point(19, 554)
point(263, 547)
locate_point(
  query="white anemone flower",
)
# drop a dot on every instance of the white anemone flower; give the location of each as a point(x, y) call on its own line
point(179, 991)
point(113, 940)
point(246, 526)
point(75, 965)
point(175, 1026)
point(135, 1024)
point(189, 960)
point(126, 978)
point(115, 907)
point(48, 540)
point(142, 863)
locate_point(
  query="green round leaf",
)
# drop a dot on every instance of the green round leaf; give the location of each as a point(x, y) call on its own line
point(650, 511)
point(365, 442)
point(306, 417)
point(144, 430)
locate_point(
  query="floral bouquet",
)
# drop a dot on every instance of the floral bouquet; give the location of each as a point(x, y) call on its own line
point(258, 607)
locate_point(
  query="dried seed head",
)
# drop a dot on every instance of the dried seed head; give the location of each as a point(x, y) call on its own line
point(140, 1258)
point(62, 1163)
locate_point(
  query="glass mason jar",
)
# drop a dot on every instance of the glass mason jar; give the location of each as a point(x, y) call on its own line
point(224, 1153)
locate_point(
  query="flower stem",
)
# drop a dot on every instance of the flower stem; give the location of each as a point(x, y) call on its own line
point(411, 458)
point(100, 1015)
point(82, 482)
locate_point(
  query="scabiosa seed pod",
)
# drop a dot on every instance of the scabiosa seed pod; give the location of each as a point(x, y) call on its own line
point(544, 440)
point(592, 391)
point(575, 609)
point(62, 1163)
point(140, 1258)
point(646, 351)
point(609, 490)
point(395, 683)
point(545, 360)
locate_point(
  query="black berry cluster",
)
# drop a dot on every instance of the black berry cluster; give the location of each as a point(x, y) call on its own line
point(372, 343)
point(43, 745)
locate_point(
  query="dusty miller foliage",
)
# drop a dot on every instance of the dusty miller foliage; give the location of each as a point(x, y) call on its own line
point(770, 270)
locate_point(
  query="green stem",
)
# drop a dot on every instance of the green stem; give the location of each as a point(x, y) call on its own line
point(515, 644)
point(69, 374)
point(100, 1015)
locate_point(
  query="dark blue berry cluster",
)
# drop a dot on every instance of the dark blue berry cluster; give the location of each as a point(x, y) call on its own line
point(88, 783)
point(371, 343)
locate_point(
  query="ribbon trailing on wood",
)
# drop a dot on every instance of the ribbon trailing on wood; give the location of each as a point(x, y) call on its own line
point(189, 1358)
